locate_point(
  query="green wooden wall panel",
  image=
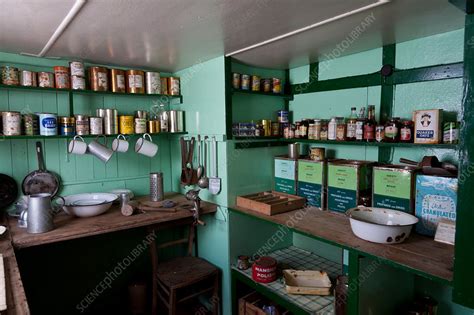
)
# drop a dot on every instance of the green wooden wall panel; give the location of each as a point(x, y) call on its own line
point(19, 165)
point(5, 157)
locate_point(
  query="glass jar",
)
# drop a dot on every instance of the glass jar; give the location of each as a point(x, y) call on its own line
point(332, 129)
point(392, 131)
point(317, 129)
point(324, 130)
point(406, 131)
point(311, 131)
point(292, 131)
point(379, 133)
point(297, 129)
point(304, 129)
point(340, 129)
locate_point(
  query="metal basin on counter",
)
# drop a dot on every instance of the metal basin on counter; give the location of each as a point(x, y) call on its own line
point(88, 205)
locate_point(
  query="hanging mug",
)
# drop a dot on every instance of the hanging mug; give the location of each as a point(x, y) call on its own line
point(146, 147)
point(120, 144)
point(99, 150)
point(77, 146)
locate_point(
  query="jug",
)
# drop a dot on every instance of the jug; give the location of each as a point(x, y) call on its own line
point(41, 213)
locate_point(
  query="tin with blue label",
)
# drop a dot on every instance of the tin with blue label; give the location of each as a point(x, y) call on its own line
point(48, 124)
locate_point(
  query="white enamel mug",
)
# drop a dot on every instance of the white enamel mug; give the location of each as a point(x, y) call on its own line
point(77, 146)
point(120, 144)
point(146, 147)
point(100, 150)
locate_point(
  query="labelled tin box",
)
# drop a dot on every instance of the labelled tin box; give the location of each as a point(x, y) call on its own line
point(347, 181)
point(393, 187)
point(311, 182)
point(285, 175)
point(436, 198)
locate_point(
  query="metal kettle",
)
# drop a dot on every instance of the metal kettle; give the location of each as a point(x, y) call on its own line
point(40, 213)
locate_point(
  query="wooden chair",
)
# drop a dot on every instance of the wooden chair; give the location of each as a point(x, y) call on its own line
point(183, 278)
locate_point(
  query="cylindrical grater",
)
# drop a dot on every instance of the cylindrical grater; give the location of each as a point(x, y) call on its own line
point(156, 186)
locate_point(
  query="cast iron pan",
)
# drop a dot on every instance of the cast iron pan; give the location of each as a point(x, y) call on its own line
point(41, 180)
point(8, 191)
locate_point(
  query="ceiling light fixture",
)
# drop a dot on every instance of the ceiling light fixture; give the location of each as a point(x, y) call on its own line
point(309, 27)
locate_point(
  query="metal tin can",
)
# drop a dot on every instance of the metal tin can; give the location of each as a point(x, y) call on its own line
point(117, 80)
point(140, 125)
point(317, 154)
point(11, 122)
point(164, 86)
point(275, 129)
point(10, 75)
point(48, 124)
point(267, 127)
point(236, 80)
point(176, 120)
point(153, 83)
point(46, 79)
point(28, 78)
point(135, 82)
point(82, 125)
point(30, 124)
point(110, 120)
point(266, 85)
point(154, 126)
point(245, 82)
point(450, 132)
point(283, 116)
point(276, 83)
point(77, 69)
point(173, 86)
point(67, 126)
point(96, 125)
point(61, 77)
point(264, 269)
point(126, 124)
point(255, 83)
point(141, 114)
point(78, 83)
point(98, 77)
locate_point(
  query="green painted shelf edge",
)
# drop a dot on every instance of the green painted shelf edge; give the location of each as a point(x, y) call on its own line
point(375, 144)
point(356, 251)
point(2, 137)
point(284, 96)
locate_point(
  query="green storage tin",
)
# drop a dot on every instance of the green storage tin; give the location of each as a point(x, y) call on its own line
point(312, 182)
point(285, 175)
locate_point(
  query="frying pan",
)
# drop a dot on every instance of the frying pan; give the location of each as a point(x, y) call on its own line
point(8, 191)
point(41, 180)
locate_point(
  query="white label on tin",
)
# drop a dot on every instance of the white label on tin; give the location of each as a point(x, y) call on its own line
point(120, 81)
point(102, 79)
point(78, 83)
point(77, 68)
point(27, 79)
point(135, 81)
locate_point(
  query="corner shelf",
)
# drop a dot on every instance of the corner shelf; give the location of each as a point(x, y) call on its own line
point(249, 92)
point(2, 137)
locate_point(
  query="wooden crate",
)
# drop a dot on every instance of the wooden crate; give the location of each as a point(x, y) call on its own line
point(271, 202)
point(248, 305)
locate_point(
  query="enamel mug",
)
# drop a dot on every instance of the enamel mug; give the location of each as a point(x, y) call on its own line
point(120, 144)
point(77, 146)
point(146, 147)
point(99, 150)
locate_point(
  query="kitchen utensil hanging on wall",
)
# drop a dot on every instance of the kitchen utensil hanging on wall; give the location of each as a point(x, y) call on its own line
point(41, 180)
point(8, 191)
point(214, 180)
point(204, 180)
point(200, 169)
point(188, 174)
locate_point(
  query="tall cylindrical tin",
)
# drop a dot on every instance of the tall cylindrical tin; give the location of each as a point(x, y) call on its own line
point(46, 79)
point(164, 86)
point(176, 121)
point(61, 77)
point(126, 124)
point(10, 75)
point(117, 80)
point(82, 125)
point(11, 122)
point(77, 69)
point(173, 86)
point(245, 82)
point(48, 124)
point(294, 151)
point(78, 83)
point(28, 78)
point(154, 126)
point(255, 83)
point(99, 80)
point(96, 125)
point(266, 85)
point(156, 186)
point(110, 124)
point(236, 80)
point(267, 127)
point(140, 125)
point(135, 81)
point(30, 124)
point(276, 85)
point(67, 126)
point(153, 83)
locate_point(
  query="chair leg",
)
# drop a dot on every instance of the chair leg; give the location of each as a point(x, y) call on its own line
point(172, 302)
point(215, 296)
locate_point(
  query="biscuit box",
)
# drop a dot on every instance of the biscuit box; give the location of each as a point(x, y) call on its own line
point(436, 198)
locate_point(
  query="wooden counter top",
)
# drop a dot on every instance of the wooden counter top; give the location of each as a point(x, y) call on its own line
point(418, 254)
point(68, 227)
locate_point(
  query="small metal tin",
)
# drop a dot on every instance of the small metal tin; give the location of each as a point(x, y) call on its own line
point(140, 125)
point(28, 78)
point(77, 68)
point(245, 82)
point(135, 80)
point(11, 122)
point(275, 129)
point(10, 75)
point(30, 124)
point(267, 127)
point(276, 84)
point(67, 126)
point(110, 120)
point(98, 79)
point(46, 79)
point(82, 125)
point(126, 124)
point(61, 77)
point(78, 83)
point(317, 154)
point(243, 262)
point(236, 80)
point(117, 80)
point(173, 86)
point(48, 124)
point(266, 85)
point(154, 126)
point(255, 83)
point(153, 83)
point(282, 116)
point(96, 125)
point(176, 120)
point(164, 86)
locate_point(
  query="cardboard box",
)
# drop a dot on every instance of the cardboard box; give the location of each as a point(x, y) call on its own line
point(393, 187)
point(285, 175)
point(312, 182)
point(436, 198)
point(427, 126)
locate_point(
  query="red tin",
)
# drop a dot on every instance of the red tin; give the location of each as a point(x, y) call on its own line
point(264, 270)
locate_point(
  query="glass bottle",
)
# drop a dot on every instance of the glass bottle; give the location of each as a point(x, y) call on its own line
point(332, 128)
point(360, 125)
point(164, 118)
point(351, 125)
point(369, 126)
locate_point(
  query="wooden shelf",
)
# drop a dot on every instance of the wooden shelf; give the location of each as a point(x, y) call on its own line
point(375, 144)
point(284, 96)
point(419, 254)
point(2, 137)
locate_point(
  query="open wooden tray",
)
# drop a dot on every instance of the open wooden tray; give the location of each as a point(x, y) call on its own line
point(310, 282)
point(271, 202)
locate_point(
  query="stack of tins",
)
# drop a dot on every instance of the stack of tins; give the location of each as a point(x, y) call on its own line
point(264, 270)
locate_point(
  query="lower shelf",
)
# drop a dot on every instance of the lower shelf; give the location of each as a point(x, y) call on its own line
point(296, 258)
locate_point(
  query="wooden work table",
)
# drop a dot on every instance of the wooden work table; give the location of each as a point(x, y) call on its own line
point(68, 228)
point(418, 254)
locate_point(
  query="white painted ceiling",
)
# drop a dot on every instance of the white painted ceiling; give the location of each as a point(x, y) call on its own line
point(174, 34)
